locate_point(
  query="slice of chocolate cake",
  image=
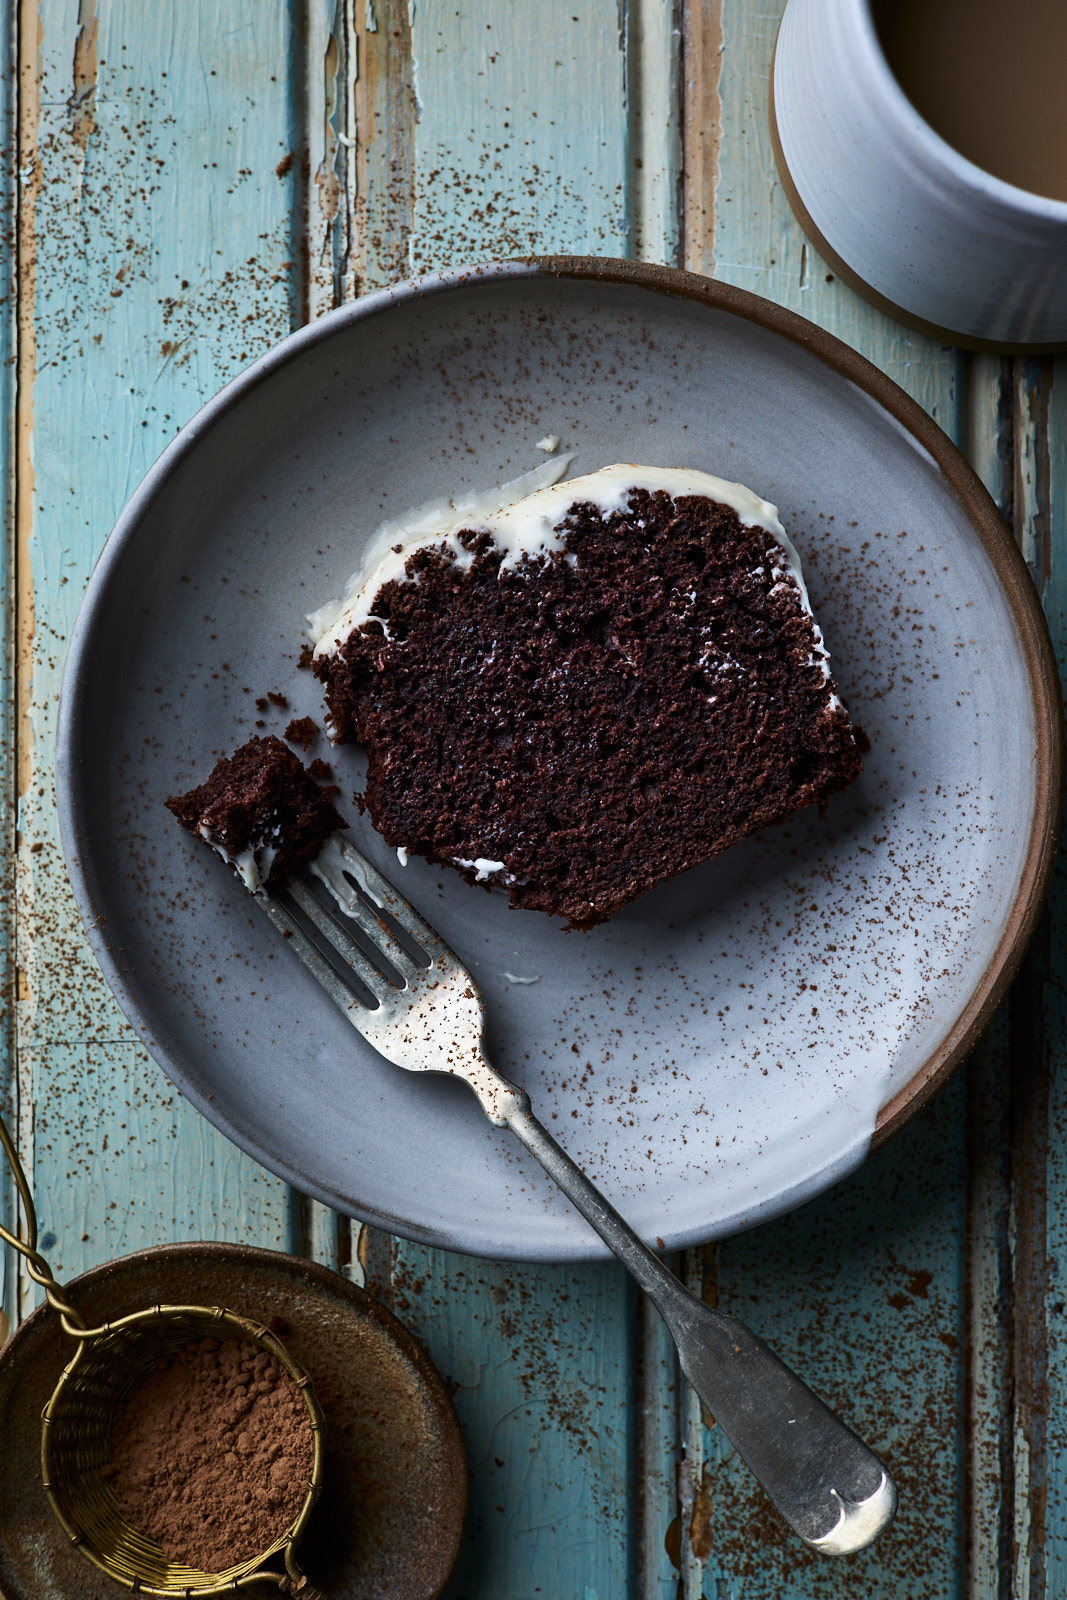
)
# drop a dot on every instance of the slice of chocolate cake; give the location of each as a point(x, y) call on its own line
point(260, 811)
point(603, 684)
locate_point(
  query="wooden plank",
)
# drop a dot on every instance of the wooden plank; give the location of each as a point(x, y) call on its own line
point(988, 1506)
point(384, 115)
point(654, 103)
point(1037, 1063)
point(701, 124)
point(538, 1360)
point(160, 232)
point(988, 1473)
point(8, 379)
point(860, 1291)
point(123, 1174)
point(525, 140)
point(1054, 563)
point(863, 1288)
point(522, 137)
point(759, 246)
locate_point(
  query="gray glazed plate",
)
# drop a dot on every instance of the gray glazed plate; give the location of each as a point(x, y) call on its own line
point(726, 1046)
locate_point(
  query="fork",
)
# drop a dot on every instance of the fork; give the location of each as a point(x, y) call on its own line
point(426, 1014)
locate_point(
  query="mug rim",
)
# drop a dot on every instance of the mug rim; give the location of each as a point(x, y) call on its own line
point(1039, 206)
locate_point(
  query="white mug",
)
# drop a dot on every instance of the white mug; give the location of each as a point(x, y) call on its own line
point(913, 225)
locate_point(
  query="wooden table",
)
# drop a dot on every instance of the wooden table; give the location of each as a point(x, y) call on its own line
point(184, 183)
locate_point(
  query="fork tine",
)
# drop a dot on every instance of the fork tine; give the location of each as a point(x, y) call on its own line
point(385, 895)
point(391, 949)
point(320, 968)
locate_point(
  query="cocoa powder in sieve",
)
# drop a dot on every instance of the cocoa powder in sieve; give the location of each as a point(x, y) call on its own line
point(211, 1453)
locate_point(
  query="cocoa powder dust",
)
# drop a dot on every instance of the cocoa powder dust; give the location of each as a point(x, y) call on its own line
point(211, 1453)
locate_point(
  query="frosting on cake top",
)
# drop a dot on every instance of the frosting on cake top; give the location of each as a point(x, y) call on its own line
point(527, 527)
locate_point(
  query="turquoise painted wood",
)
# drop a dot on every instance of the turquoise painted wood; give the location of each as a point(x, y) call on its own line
point(1054, 452)
point(184, 184)
point(8, 313)
point(160, 234)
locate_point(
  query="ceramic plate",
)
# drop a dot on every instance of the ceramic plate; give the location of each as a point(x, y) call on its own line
point(724, 1047)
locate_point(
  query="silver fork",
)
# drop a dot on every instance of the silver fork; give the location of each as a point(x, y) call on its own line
point(428, 1016)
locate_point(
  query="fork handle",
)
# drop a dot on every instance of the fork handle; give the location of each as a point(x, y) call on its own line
point(832, 1490)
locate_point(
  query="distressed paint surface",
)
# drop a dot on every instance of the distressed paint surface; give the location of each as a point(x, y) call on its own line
point(161, 236)
point(521, 133)
point(538, 1361)
point(862, 1288)
point(8, 397)
point(523, 142)
point(182, 203)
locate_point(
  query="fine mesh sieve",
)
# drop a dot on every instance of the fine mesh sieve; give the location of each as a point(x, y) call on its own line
point(107, 1364)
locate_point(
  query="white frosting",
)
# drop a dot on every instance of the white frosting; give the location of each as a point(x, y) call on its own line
point(482, 868)
point(252, 865)
point(425, 524)
point(549, 444)
point(527, 528)
point(330, 866)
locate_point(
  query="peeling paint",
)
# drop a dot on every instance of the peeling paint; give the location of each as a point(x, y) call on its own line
point(384, 117)
point(82, 102)
point(653, 63)
point(1030, 1065)
point(30, 39)
point(702, 32)
point(1033, 394)
point(701, 1532)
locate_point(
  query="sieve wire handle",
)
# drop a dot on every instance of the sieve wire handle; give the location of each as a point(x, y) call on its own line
point(291, 1581)
point(36, 1265)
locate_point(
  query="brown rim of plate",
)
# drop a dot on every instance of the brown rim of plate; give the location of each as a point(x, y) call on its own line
point(996, 540)
point(873, 297)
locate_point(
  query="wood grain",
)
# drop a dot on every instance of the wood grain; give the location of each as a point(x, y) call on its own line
point(702, 58)
point(8, 642)
point(159, 233)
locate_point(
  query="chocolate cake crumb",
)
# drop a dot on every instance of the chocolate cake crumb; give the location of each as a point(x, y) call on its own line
point(278, 700)
point(320, 769)
point(260, 811)
point(302, 731)
point(305, 658)
point(579, 726)
point(211, 1453)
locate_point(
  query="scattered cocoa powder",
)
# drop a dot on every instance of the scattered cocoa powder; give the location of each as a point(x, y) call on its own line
point(211, 1453)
